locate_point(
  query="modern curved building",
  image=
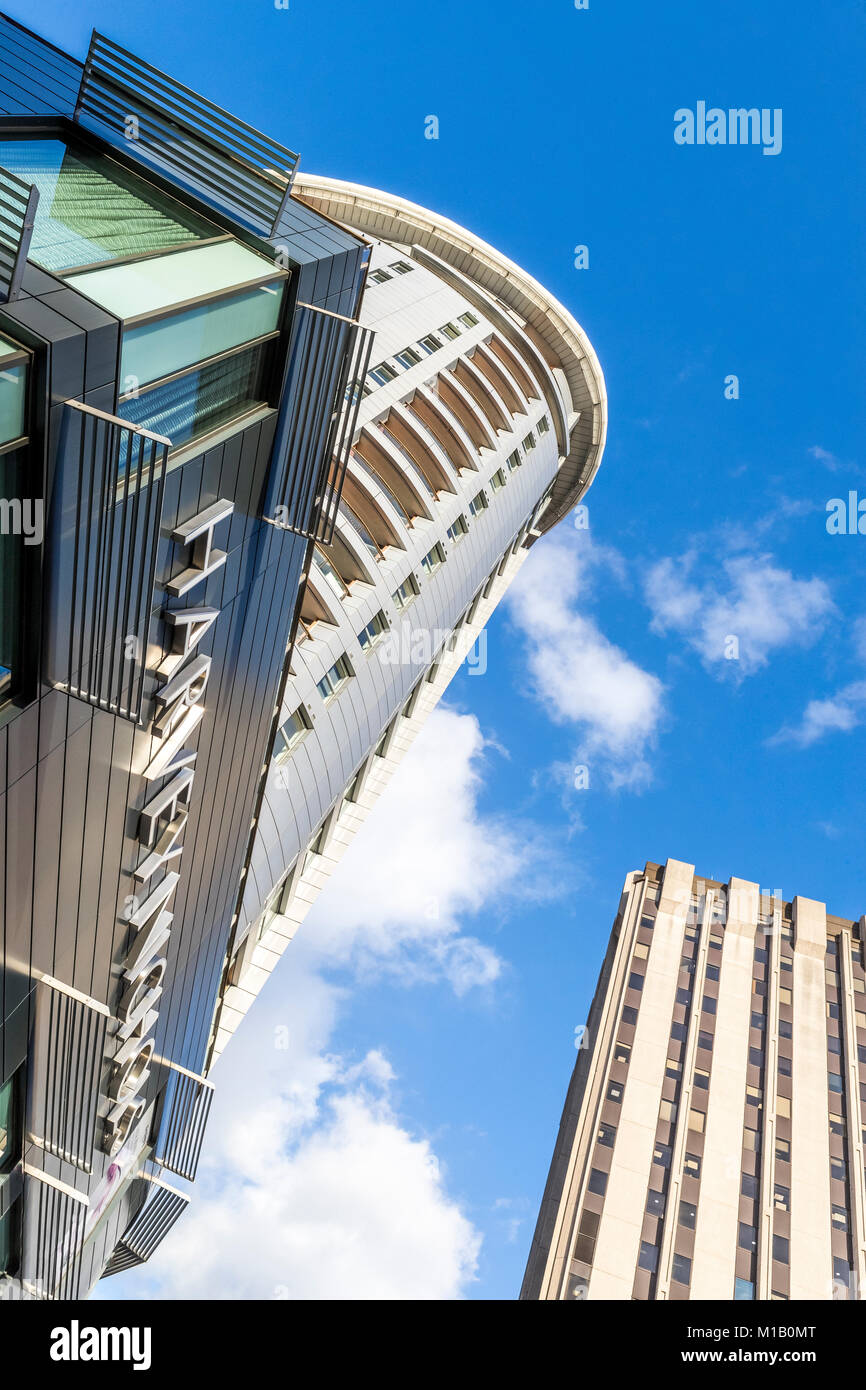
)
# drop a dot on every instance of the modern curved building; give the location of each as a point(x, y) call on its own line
point(482, 423)
point(272, 447)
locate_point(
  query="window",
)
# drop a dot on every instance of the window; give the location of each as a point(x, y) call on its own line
point(621, 1053)
point(839, 1217)
point(673, 1070)
point(606, 1136)
point(749, 1185)
point(597, 1182)
point(838, 1168)
point(529, 443)
point(379, 276)
point(780, 1249)
point(783, 1150)
point(543, 425)
point(458, 529)
point(382, 374)
point(681, 1269)
point(629, 1014)
point(407, 591)
point(678, 1031)
point(748, 1236)
point(468, 320)
point(709, 1004)
point(757, 1021)
point(697, 1120)
point(290, 733)
point(450, 331)
point(648, 1257)
point(430, 343)
point(785, 1028)
point(692, 1165)
point(754, 1096)
point(785, 996)
point(655, 1203)
point(702, 1079)
point(513, 461)
point(683, 996)
point(335, 679)
point(667, 1112)
point(834, 1081)
point(641, 950)
point(498, 480)
point(13, 391)
point(408, 357)
point(784, 1066)
point(662, 1155)
point(635, 980)
point(375, 629)
point(744, 1289)
point(10, 1123)
point(781, 1197)
point(713, 972)
point(752, 1140)
point(586, 1234)
point(688, 1215)
point(329, 574)
point(478, 503)
point(614, 1091)
point(433, 559)
point(705, 1040)
point(401, 267)
point(9, 1226)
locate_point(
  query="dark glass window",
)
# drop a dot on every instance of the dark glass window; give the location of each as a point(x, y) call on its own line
point(9, 1236)
point(784, 1066)
point(705, 1040)
point(655, 1203)
point(635, 981)
point(614, 1091)
point(749, 1185)
point(780, 1249)
point(662, 1155)
point(201, 400)
point(606, 1136)
point(649, 1256)
point(748, 1237)
point(598, 1182)
point(681, 1269)
point(10, 1121)
point(785, 1028)
point(629, 1014)
point(744, 1290)
point(688, 1215)
point(709, 1004)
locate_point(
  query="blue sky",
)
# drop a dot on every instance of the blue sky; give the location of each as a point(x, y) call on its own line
point(434, 1071)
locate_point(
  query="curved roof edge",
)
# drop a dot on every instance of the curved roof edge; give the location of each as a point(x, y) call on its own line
point(392, 218)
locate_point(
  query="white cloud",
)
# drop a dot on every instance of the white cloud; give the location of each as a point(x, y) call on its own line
point(313, 1187)
point(708, 599)
point(577, 674)
point(839, 713)
point(425, 859)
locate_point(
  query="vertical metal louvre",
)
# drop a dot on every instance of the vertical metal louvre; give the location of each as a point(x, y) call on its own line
point(115, 534)
point(18, 202)
point(162, 1207)
point(54, 1235)
point(223, 161)
point(185, 1110)
point(68, 1047)
point(329, 356)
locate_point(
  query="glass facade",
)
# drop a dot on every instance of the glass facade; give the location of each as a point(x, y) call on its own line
point(13, 392)
point(92, 210)
point(201, 400)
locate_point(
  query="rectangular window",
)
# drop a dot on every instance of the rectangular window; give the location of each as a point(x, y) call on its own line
point(10, 1122)
point(329, 574)
point(290, 733)
point(529, 443)
point(597, 1182)
point(606, 1136)
point(543, 425)
point(655, 1203)
point(468, 320)
point(839, 1218)
point(450, 331)
point(401, 267)
point(433, 559)
point(407, 591)
point(203, 400)
point(705, 1040)
point(586, 1234)
point(783, 1150)
point(13, 391)
point(478, 504)
point(744, 1290)
point(780, 1249)
point(681, 1270)
point(9, 1227)
point(781, 1197)
point(379, 277)
point(667, 1112)
point(688, 1215)
point(648, 1257)
point(692, 1165)
point(621, 1053)
point(334, 679)
point(458, 529)
point(702, 1079)
point(662, 1155)
point(748, 1236)
point(514, 461)
point(749, 1185)
point(498, 480)
point(629, 1014)
point(697, 1120)
point(408, 358)
point(375, 629)
point(430, 343)
point(784, 1066)
point(382, 374)
point(635, 980)
point(614, 1091)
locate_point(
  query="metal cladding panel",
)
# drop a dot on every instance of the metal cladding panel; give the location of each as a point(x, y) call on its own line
point(328, 359)
point(104, 548)
point(202, 148)
point(185, 1111)
point(68, 1045)
point(162, 1207)
point(53, 1236)
point(36, 79)
point(18, 203)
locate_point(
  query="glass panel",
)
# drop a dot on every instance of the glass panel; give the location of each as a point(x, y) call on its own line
point(13, 394)
point(9, 1138)
point(8, 1252)
point(13, 490)
point(92, 210)
point(201, 400)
